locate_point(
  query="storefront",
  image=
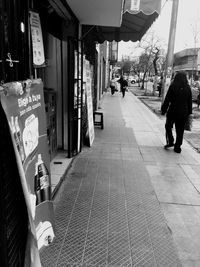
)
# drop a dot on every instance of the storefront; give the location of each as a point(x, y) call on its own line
point(53, 42)
point(60, 34)
point(38, 52)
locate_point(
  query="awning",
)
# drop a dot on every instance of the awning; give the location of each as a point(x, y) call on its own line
point(98, 12)
point(137, 18)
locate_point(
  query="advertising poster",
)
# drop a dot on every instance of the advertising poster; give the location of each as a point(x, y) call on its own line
point(23, 103)
point(37, 40)
point(89, 103)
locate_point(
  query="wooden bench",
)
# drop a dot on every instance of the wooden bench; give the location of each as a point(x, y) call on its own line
point(98, 119)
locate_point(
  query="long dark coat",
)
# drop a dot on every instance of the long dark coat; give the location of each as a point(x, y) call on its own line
point(178, 102)
point(123, 83)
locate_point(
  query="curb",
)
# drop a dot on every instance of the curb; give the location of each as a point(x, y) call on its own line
point(62, 178)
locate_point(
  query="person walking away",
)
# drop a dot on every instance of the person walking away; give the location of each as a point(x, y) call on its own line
point(113, 86)
point(198, 100)
point(159, 87)
point(197, 85)
point(177, 106)
point(123, 85)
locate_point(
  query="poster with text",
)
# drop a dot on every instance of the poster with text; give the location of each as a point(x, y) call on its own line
point(23, 103)
point(37, 40)
point(89, 103)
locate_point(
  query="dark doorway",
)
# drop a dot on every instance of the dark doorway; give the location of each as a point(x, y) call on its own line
point(14, 45)
point(75, 96)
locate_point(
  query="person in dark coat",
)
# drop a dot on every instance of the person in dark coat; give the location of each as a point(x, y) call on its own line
point(159, 87)
point(113, 86)
point(123, 85)
point(177, 106)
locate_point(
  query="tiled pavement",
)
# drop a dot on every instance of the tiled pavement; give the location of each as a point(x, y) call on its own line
point(126, 201)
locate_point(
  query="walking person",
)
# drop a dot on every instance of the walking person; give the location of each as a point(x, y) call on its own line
point(160, 86)
point(197, 85)
point(177, 106)
point(113, 86)
point(123, 85)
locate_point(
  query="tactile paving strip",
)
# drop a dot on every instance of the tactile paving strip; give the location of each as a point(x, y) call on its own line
point(108, 215)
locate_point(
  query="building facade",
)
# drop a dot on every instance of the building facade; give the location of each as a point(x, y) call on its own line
point(188, 60)
point(45, 40)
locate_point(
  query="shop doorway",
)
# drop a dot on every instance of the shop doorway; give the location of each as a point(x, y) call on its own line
point(75, 84)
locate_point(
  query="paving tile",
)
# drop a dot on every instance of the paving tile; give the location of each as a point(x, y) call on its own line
point(191, 263)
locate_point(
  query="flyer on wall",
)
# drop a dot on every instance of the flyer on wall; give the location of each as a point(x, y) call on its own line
point(37, 39)
point(23, 103)
point(89, 104)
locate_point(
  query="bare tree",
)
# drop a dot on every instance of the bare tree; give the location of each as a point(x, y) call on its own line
point(152, 47)
point(195, 31)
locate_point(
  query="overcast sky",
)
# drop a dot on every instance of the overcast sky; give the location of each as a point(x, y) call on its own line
point(188, 17)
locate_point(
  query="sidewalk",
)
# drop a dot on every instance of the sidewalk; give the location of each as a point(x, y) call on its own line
point(154, 103)
point(126, 201)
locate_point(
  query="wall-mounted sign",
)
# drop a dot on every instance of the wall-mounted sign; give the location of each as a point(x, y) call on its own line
point(89, 103)
point(37, 40)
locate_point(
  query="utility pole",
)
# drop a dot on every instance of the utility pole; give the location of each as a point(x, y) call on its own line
point(170, 51)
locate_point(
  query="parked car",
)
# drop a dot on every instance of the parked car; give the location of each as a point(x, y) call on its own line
point(133, 81)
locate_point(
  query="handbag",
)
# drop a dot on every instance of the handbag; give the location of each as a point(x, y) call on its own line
point(188, 123)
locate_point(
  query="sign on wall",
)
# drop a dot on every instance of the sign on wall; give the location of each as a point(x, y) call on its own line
point(37, 40)
point(89, 103)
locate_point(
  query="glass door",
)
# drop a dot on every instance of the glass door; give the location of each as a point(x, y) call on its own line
point(75, 96)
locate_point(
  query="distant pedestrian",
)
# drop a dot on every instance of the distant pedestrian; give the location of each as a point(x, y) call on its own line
point(123, 85)
point(113, 86)
point(197, 86)
point(198, 100)
point(177, 106)
point(159, 87)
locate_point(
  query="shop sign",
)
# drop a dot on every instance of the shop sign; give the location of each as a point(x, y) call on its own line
point(37, 40)
point(23, 103)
